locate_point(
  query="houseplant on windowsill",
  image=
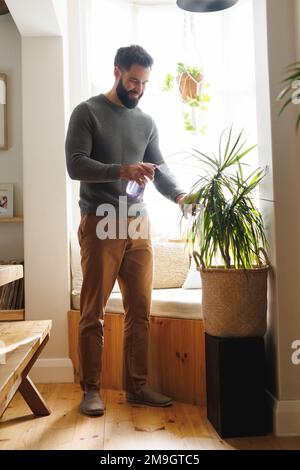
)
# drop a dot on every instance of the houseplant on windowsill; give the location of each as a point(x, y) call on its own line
point(226, 232)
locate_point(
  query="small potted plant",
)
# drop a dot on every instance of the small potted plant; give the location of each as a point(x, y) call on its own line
point(190, 81)
point(226, 232)
point(191, 85)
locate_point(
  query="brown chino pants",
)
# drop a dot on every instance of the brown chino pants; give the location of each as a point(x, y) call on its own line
point(103, 261)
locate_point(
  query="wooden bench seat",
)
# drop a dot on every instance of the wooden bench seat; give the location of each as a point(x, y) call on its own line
point(20, 345)
point(176, 355)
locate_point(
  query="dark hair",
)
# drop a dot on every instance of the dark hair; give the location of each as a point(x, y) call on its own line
point(128, 56)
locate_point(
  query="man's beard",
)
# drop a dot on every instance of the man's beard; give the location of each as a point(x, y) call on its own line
point(124, 96)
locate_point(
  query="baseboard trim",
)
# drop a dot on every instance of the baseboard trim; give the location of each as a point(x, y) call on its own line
point(55, 370)
point(286, 417)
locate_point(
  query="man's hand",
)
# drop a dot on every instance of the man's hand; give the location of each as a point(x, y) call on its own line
point(180, 199)
point(186, 207)
point(139, 172)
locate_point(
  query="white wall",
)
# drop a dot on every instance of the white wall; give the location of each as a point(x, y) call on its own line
point(45, 201)
point(11, 171)
point(276, 47)
point(36, 17)
point(35, 55)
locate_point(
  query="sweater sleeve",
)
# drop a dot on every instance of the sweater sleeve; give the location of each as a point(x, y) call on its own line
point(79, 143)
point(164, 179)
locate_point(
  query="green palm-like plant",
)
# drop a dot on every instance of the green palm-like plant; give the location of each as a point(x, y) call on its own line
point(226, 224)
point(290, 83)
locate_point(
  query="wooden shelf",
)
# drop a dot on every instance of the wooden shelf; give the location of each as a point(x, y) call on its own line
point(10, 273)
point(12, 315)
point(11, 220)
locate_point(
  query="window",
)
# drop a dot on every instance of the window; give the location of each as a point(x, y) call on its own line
point(222, 43)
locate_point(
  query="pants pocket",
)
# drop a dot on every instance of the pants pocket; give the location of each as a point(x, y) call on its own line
point(81, 229)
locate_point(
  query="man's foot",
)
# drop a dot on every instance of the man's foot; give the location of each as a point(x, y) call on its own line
point(146, 396)
point(91, 404)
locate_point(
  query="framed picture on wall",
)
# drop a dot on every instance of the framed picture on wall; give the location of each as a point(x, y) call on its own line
point(3, 112)
point(6, 200)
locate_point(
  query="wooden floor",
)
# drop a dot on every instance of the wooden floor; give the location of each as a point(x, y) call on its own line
point(122, 427)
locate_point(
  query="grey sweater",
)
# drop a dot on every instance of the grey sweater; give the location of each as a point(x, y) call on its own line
point(103, 136)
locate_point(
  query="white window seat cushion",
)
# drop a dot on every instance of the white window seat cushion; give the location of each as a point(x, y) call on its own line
point(172, 303)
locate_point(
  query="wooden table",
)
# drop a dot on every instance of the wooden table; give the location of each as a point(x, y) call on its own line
point(20, 345)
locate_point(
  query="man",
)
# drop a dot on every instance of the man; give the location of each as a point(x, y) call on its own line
point(110, 142)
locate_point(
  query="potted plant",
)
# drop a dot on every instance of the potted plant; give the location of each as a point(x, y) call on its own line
point(190, 81)
point(290, 90)
point(226, 232)
point(191, 85)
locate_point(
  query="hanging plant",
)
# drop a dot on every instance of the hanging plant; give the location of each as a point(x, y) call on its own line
point(190, 81)
point(191, 85)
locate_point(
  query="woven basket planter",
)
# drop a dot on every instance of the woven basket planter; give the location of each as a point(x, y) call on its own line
point(234, 301)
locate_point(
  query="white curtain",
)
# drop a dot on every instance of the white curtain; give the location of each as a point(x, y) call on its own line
point(222, 43)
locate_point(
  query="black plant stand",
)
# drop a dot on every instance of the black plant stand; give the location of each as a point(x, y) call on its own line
point(235, 381)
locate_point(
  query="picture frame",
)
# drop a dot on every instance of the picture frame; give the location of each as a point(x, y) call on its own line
point(3, 112)
point(6, 200)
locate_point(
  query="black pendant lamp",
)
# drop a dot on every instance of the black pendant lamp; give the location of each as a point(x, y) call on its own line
point(205, 6)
